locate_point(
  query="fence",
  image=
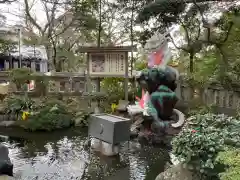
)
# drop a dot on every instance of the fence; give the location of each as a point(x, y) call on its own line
point(60, 84)
point(225, 101)
point(68, 84)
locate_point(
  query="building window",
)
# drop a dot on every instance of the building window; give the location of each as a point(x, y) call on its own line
point(6, 65)
point(29, 64)
point(38, 66)
point(26, 64)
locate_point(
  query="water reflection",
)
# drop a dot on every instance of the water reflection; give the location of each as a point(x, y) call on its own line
point(64, 158)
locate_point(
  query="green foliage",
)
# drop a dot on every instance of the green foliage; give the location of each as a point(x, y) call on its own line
point(231, 52)
point(20, 76)
point(47, 114)
point(166, 11)
point(205, 67)
point(140, 65)
point(52, 116)
point(228, 126)
point(81, 118)
point(76, 107)
point(198, 149)
point(17, 105)
point(199, 34)
point(41, 83)
point(83, 12)
point(203, 138)
point(114, 87)
point(6, 46)
point(230, 158)
point(200, 110)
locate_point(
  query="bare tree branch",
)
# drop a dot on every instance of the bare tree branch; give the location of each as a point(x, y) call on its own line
point(228, 32)
point(50, 17)
point(199, 30)
point(31, 19)
point(186, 31)
point(175, 45)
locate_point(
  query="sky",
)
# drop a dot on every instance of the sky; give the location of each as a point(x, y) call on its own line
point(14, 11)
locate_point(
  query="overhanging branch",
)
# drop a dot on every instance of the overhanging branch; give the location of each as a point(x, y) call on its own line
point(228, 32)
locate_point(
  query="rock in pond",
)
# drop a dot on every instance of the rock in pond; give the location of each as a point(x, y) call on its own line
point(7, 123)
point(176, 172)
point(6, 166)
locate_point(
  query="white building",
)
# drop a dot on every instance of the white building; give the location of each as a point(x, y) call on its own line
point(34, 57)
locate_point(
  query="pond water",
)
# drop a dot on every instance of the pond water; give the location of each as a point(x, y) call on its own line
point(61, 156)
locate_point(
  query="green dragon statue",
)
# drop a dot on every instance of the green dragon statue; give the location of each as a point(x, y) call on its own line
point(160, 84)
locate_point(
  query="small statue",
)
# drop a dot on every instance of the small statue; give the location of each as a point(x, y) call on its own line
point(160, 84)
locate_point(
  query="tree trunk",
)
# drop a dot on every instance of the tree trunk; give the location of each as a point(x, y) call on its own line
point(224, 62)
point(49, 56)
point(54, 58)
point(132, 36)
point(191, 62)
point(131, 31)
point(100, 24)
point(192, 89)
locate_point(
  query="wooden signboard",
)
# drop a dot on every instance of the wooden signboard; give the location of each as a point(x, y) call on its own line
point(107, 63)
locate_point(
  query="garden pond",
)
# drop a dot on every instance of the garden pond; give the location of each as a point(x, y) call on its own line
point(61, 155)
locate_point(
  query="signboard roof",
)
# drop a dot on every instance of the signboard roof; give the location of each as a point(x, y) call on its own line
point(92, 49)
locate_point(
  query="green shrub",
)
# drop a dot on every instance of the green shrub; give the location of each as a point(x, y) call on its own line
point(200, 110)
point(228, 127)
point(16, 105)
point(49, 118)
point(41, 83)
point(20, 76)
point(198, 149)
point(230, 158)
point(198, 145)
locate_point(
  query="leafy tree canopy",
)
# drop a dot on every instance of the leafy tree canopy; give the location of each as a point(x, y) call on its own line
point(6, 46)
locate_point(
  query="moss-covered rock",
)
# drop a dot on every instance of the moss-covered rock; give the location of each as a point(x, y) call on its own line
point(177, 172)
point(231, 159)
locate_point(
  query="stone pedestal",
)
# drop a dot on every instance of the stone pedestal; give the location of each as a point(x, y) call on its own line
point(105, 148)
